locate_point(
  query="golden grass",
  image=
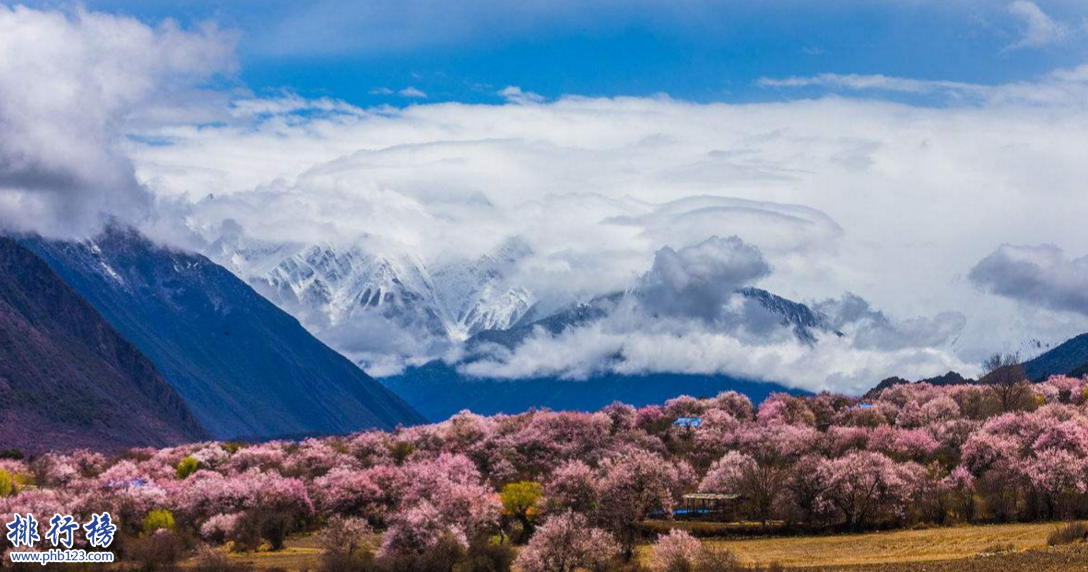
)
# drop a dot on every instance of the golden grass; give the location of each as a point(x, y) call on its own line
point(866, 550)
point(905, 546)
point(298, 553)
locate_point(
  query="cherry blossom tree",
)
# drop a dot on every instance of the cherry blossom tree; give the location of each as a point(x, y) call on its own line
point(635, 486)
point(760, 485)
point(566, 543)
point(675, 551)
point(867, 485)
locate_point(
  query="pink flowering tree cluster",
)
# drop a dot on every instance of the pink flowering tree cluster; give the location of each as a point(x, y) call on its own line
point(909, 454)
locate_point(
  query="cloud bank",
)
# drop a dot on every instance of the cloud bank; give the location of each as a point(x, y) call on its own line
point(70, 87)
point(697, 280)
point(896, 202)
point(1035, 275)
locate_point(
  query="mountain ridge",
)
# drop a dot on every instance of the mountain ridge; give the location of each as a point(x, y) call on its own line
point(68, 379)
point(244, 366)
point(438, 390)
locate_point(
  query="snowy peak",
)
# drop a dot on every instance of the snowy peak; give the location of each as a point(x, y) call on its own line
point(804, 321)
point(343, 284)
point(478, 295)
point(330, 287)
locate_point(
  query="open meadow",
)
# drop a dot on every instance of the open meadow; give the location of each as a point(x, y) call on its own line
point(984, 548)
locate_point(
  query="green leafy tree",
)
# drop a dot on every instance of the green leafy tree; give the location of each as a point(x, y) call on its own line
point(520, 500)
point(7, 484)
point(186, 467)
point(161, 519)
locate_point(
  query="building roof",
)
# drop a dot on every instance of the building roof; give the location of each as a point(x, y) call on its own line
point(712, 496)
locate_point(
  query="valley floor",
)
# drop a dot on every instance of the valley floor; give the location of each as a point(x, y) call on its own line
point(958, 549)
point(966, 548)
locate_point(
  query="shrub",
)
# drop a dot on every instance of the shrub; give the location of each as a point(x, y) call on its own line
point(412, 531)
point(187, 467)
point(343, 535)
point(442, 556)
point(209, 559)
point(156, 520)
point(483, 556)
point(220, 528)
point(1068, 534)
point(676, 551)
point(264, 524)
point(7, 484)
point(157, 551)
point(401, 450)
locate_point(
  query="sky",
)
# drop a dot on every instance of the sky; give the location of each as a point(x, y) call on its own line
point(394, 52)
point(912, 167)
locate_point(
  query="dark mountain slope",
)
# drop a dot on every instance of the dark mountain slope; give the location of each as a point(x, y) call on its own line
point(950, 378)
point(1061, 360)
point(244, 367)
point(67, 378)
point(438, 391)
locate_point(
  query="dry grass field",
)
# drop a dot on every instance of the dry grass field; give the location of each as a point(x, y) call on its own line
point(888, 547)
point(968, 548)
point(959, 549)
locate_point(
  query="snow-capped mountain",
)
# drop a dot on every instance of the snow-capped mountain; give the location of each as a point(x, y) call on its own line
point(338, 292)
point(331, 287)
point(477, 295)
point(345, 284)
point(803, 320)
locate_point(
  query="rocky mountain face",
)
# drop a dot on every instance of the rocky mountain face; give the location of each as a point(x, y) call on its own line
point(331, 288)
point(804, 321)
point(68, 379)
point(244, 367)
point(353, 296)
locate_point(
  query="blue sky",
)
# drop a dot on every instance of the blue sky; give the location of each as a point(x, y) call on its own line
point(924, 156)
point(368, 52)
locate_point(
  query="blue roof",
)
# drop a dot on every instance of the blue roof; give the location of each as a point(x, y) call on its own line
point(687, 422)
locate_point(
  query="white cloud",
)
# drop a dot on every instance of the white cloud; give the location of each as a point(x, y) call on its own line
point(1059, 87)
point(70, 86)
point(514, 94)
point(698, 280)
point(412, 93)
point(899, 201)
point(1039, 29)
point(876, 82)
point(632, 344)
point(1035, 276)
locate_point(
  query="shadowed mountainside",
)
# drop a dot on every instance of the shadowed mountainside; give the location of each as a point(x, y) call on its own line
point(67, 378)
point(244, 367)
point(438, 390)
point(1065, 359)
